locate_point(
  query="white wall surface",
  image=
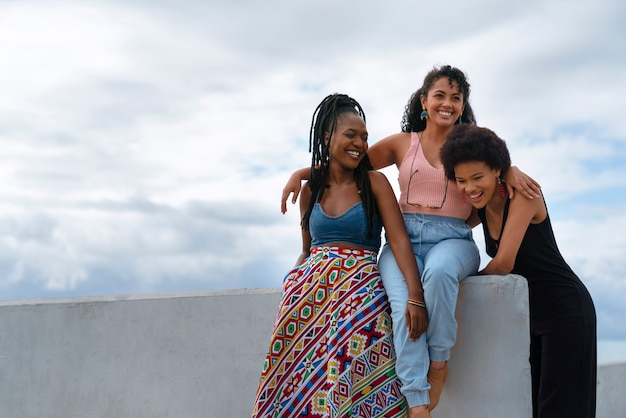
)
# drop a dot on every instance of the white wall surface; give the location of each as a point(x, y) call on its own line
point(489, 372)
point(199, 355)
point(178, 355)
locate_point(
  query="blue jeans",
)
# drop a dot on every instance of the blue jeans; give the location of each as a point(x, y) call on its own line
point(446, 254)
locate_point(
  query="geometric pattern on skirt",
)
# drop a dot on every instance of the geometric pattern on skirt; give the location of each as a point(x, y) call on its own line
point(331, 352)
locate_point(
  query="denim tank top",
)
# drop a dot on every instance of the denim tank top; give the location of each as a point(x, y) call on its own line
point(350, 227)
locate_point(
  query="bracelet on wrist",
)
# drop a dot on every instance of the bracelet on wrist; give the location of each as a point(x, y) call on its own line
point(416, 303)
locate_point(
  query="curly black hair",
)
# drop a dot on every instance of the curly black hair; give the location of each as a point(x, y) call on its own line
point(469, 143)
point(323, 122)
point(411, 121)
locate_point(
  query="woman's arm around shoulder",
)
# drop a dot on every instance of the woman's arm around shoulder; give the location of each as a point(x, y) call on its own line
point(516, 179)
point(294, 185)
point(522, 212)
point(388, 151)
point(305, 197)
point(398, 239)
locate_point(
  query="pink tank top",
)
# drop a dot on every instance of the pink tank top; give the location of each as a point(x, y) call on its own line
point(425, 189)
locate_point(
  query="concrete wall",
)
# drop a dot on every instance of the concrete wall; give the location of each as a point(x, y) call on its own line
point(200, 354)
point(489, 373)
point(611, 402)
point(179, 356)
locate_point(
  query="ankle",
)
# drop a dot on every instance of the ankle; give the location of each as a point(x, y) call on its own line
point(423, 412)
point(418, 408)
point(437, 365)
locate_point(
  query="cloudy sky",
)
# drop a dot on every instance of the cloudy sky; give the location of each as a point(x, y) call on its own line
point(144, 145)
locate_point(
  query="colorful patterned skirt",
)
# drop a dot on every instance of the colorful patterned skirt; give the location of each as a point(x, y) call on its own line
point(331, 352)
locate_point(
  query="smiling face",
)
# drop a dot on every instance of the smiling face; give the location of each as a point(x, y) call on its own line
point(443, 102)
point(478, 182)
point(348, 144)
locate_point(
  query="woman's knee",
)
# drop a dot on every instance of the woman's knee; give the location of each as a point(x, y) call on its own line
point(452, 259)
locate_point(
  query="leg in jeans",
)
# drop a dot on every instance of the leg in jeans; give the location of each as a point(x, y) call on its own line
point(445, 265)
point(411, 356)
point(454, 256)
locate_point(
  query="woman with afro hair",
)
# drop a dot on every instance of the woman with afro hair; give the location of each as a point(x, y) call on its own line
point(520, 240)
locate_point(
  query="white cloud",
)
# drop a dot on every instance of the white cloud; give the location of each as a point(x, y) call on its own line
point(145, 147)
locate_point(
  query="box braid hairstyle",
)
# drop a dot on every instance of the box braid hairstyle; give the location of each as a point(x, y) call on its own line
point(411, 121)
point(324, 121)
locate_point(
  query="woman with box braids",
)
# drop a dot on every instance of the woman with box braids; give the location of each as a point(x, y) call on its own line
point(331, 350)
point(324, 120)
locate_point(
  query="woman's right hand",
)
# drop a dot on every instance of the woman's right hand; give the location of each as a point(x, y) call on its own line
point(416, 321)
point(294, 185)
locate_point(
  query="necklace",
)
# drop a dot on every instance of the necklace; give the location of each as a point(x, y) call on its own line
point(425, 182)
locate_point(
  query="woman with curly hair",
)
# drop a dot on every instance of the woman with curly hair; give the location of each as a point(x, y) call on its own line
point(519, 238)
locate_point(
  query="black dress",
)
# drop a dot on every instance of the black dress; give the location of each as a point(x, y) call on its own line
point(562, 325)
